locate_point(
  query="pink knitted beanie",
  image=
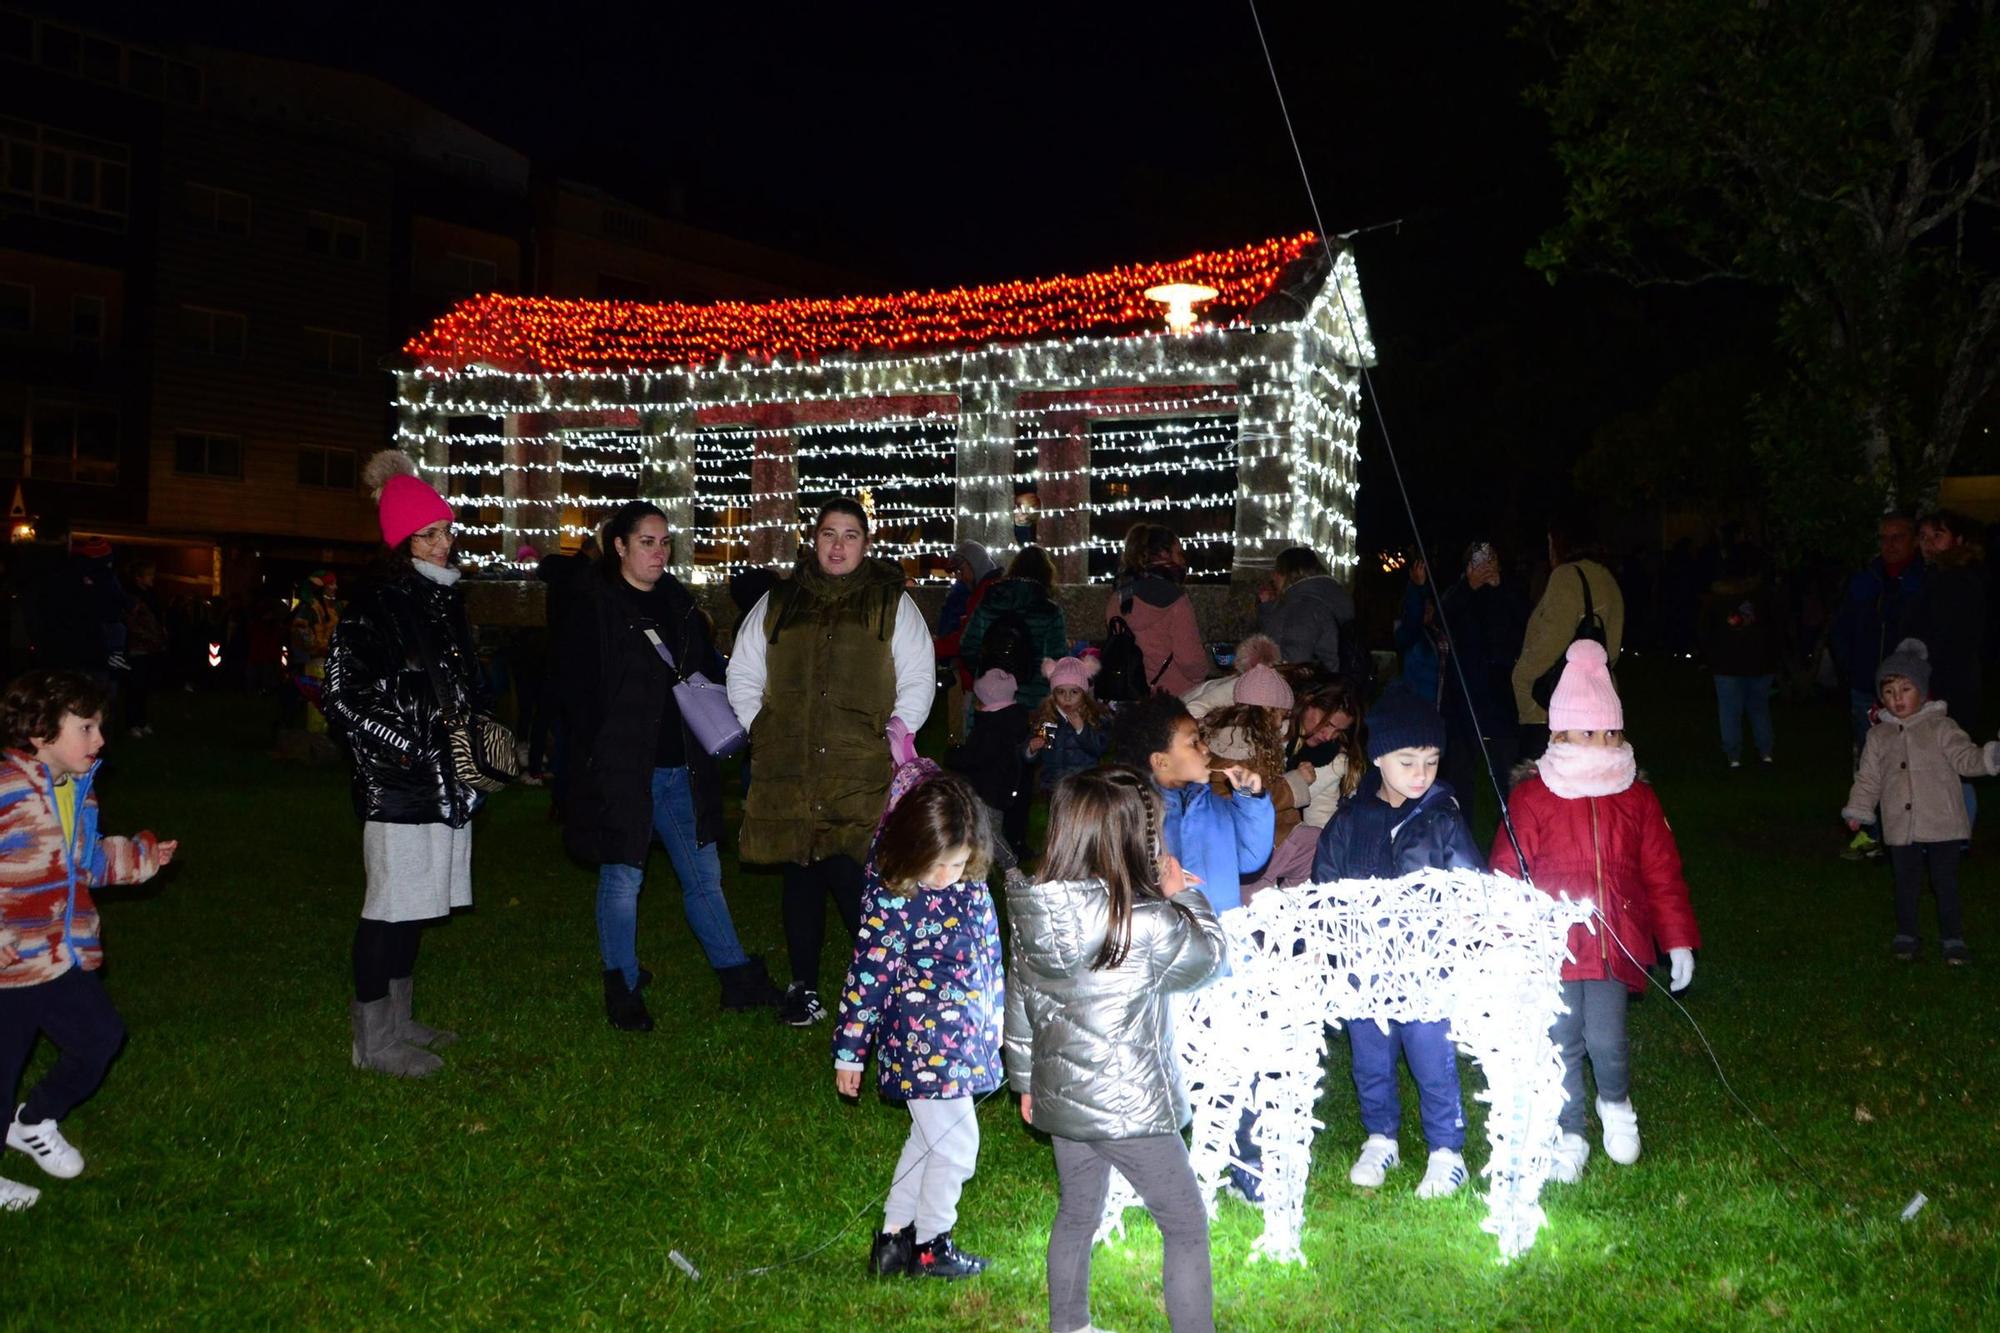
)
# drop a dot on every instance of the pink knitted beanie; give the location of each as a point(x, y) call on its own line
point(1073, 671)
point(1263, 687)
point(404, 502)
point(995, 689)
point(1584, 699)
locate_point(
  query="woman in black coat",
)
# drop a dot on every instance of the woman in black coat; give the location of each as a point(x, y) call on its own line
point(1487, 619)
point(634, 767)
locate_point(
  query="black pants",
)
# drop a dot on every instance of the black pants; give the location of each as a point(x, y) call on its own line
point(1908, 863)
point(804, 910)
point(384, 951)
point(78, 1017)
point(1466, 771)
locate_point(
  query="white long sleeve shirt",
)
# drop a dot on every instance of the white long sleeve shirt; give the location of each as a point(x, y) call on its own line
point(909, 648)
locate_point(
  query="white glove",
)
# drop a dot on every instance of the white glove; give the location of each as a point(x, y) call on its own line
point(1681, 968)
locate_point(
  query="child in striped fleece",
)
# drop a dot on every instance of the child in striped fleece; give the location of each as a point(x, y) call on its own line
point(51, 725)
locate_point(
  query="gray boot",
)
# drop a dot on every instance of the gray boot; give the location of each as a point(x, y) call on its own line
point(411, 1031)
point(377, 1047)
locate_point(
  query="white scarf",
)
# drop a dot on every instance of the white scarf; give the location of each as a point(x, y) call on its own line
point(1575, 771)
point(444, 575)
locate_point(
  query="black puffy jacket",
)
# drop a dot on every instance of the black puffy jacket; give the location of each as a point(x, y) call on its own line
point(614, 690)
point(1370, 839)
point(381, 703)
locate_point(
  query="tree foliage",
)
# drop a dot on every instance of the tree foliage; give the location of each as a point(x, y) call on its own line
point(1846, 155)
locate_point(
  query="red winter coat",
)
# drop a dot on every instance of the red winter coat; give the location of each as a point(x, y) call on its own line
point(1618, 852)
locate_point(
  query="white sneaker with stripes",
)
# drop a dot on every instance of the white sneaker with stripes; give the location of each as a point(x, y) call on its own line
point(1442, 1177)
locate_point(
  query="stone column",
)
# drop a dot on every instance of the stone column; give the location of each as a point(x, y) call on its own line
point(985, 491)
point(1065, 489)
point(774, 487)
point(668, 480)
point(1264, 478)
point(520, 485)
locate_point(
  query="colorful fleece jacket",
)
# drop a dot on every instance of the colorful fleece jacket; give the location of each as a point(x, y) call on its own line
point(46, 911)
point(926, 990)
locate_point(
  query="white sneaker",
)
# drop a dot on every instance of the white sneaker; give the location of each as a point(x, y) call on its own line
point(1378, 1156)
point(45, 1144)
point(1567, 1163)
point(14, 1196)
point(1621, 1130)
point(1442, 1177)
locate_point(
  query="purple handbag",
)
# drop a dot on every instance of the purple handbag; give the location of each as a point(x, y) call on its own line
point(704, 706)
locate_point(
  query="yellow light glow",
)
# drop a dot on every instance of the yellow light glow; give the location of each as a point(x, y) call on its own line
point(1179, 298)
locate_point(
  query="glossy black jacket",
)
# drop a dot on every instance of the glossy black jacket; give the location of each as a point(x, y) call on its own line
point(382, 705)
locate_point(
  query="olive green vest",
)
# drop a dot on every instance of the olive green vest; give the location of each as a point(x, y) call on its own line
point(821, 766)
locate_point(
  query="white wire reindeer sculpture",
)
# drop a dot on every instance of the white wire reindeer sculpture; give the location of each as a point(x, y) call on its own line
point(1483, 951)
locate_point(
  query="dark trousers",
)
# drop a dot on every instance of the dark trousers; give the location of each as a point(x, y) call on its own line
point(804, 909)
point(1466, 771)
point(75, 1013)
point(384, 951)
point(1908, 863)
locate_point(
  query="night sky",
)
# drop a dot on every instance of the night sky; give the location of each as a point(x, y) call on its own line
point(932, 145)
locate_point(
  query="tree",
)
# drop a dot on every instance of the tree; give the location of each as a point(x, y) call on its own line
point(1846, 155)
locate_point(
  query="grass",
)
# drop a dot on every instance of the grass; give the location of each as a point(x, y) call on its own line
point(242, 1174)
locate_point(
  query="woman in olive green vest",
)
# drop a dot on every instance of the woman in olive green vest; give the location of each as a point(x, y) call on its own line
point(822, 662)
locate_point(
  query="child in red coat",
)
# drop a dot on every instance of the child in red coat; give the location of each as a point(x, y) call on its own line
point(1590, 828)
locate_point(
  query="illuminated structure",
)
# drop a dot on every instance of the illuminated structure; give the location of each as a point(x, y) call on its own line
point(951, 408)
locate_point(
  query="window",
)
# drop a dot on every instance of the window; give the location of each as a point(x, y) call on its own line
point(201, 455)
point(626, 226)
point(611, 287)
point(333, 353)
point(470, 275)
point(331, 468)
point(86, 323)
point(224, 212)
point(466, 165)
point(59, 441)
point(17, 307)
point(216, 333)
point(65, 176)
point(336, 237)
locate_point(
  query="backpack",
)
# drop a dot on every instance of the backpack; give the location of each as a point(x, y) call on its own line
point(1009, 645)
point(1122, 677)
point(1588, 626)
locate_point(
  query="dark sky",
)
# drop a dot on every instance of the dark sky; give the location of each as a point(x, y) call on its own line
point(934, 144)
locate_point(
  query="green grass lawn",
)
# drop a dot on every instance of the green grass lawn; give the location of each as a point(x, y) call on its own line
point(242, 1174)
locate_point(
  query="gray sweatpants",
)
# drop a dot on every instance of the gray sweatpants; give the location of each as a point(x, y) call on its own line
point(1158, 1169)
point(1594, 1026)
point(938, 1158)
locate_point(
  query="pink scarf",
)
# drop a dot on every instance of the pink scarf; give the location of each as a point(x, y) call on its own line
point(1576, 771)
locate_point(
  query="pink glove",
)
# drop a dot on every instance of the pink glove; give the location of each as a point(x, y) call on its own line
point(902, 745)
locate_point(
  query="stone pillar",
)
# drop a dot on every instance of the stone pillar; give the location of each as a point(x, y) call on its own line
point(1264, 445)
point(521, 487)
point(774, 489)
point(1065, 491)
point(985, 491)
point(669, 480)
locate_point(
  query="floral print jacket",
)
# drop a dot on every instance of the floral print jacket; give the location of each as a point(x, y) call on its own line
point(926, 990)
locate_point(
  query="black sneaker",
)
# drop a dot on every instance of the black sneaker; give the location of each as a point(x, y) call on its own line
point(801, 1007)
point(1956, 954)
point(938, 1257)
point(622, 1004)
point(893, 1253)
point(1905, 948)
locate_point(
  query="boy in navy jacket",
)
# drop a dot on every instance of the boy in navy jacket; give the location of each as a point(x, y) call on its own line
point(1402, 819)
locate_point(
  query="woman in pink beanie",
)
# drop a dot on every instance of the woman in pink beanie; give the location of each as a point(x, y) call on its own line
point(401, 665)
point(1591, 828)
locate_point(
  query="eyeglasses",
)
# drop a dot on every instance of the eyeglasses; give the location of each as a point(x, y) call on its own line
point(440, 532)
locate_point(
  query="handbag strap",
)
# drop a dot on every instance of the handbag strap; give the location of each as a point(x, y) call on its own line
point(1589, 607)
point(660, 647)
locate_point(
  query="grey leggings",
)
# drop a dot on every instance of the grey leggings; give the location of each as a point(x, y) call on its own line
point(1595, 1024)
point(1158, 1168)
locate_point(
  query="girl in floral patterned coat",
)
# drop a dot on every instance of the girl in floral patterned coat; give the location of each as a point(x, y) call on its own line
point(926, 993)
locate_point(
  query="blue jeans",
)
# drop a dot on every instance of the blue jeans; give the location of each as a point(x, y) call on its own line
point(1736, 696)
point(1433, 1064)
point(700, 871)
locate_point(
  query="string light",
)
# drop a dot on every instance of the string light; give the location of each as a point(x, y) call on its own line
point(736, 418)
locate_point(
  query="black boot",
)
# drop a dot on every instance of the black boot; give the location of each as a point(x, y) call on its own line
point(623, 1006)
point(748, 986)
point(893, 1252)
point(938, 1257)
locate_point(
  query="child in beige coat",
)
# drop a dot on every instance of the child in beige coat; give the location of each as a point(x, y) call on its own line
point(1910, 768)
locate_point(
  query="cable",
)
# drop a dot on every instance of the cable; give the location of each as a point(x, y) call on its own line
point(1388, 446)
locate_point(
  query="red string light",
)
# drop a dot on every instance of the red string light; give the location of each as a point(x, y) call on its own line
point(528, 334)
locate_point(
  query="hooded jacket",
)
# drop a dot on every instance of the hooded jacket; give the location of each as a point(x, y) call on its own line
point(396, 641)
point(1306, 618)
point(1368, 838)
point(1046, 629)
point(1095, 1047)
point(1911, 767)
point(1162, 620)
point(1608, 842)
point(617, 693)
point(1219, 839)
point(46, 911)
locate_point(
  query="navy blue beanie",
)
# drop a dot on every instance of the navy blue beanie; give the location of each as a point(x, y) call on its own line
point(1403, 720)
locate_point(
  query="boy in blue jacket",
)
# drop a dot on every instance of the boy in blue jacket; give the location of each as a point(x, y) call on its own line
point(1219, 841)
point(1402, 819)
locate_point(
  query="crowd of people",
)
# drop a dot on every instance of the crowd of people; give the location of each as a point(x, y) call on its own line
point(1176, 790)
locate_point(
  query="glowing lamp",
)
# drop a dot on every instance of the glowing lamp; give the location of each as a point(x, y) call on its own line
point(215, 654)
point(1179, 298)
point(21, 522)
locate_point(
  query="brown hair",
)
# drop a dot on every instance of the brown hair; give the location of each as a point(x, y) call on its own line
point(1336, 694)
point(36, 703)
point(1032, 562)
point(1146, 545)
point(933, 820)
point(1095, 714)
point(1107, 824)
point(1266, 737)
point(1295, 563)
